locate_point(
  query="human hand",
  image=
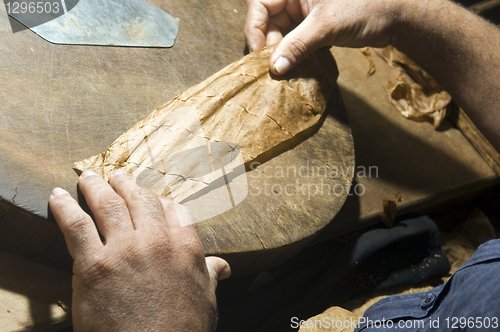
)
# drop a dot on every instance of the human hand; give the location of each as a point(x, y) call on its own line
point(149, 274)
point(300, 27)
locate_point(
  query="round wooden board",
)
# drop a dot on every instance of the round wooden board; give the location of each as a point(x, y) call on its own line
point(294, 191)
point(60, 104)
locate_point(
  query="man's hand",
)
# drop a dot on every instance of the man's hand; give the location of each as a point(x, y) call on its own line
point(149, 274)
point(300, 27)
point(460, 50)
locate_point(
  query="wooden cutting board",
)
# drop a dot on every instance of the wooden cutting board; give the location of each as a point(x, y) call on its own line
point(61, 95)
point(60, 104)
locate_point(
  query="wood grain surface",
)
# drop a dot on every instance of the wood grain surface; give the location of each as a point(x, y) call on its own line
point(61, 103)
point(426, 167)
point(476, 138)
point(33, 296)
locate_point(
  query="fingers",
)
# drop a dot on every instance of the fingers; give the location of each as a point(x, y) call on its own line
point(78, 228)
point(278, 26)
point(118, 207)
point(218, 269)
point(281, 20)
point(147, 209)
point(256, 25)
point(110, 210)
point(273, 35)
point(306, 38)
point(143, 205)
point(295, 11)
point(176, 215)
point(269, 20)
point(259, 13)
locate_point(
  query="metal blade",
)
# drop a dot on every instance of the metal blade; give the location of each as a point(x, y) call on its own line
point(109, 22)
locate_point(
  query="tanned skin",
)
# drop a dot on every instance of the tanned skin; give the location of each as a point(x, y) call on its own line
point(150, 273)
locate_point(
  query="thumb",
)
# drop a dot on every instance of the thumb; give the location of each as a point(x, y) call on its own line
point(218, 269)
point(302, 41)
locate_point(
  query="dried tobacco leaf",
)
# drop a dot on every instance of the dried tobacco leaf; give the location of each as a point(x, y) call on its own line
point(413, 103)
point(371, 65)
point(390, 209)
point(415, 94)
point(218, 125)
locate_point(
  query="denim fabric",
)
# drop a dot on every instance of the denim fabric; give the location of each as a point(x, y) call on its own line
point(469, 301)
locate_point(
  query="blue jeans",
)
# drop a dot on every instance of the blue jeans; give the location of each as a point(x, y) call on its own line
point(468, 301)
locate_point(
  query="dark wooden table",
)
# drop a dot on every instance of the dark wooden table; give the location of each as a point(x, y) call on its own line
point(61, 104)
point(64, 103)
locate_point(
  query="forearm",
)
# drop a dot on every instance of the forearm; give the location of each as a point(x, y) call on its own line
point(461, 51)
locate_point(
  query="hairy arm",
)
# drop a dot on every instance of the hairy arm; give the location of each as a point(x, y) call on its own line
point(456, 47)
point(461, 51)
point(149, 273)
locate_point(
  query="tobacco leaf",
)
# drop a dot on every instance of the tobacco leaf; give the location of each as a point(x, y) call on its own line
point(415, 94)
point(390, 209)
point(214, 127)
point(371, 65)
point(413, 103)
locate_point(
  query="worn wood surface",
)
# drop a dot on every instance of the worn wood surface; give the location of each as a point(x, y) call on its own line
point(426, 167)
point(483, 6)
point(476, 138)
point(33, 296)
point(61, 104)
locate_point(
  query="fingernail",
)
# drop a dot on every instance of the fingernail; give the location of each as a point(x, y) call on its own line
point(225, 273)
point(58, 191)
point(119, 172)
point(282, 65)
point(87, 173)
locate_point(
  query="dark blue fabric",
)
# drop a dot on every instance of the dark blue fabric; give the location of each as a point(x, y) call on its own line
point(332, 273)
point(469, 301)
